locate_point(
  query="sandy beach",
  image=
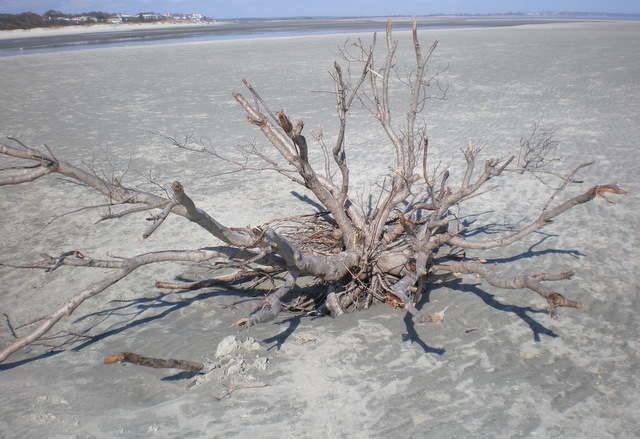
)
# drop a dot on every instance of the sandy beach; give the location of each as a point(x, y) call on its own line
point(28, 41)
point(498, 366)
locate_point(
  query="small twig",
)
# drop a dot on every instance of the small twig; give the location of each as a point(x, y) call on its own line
point(159, 219)
point(232, 389)
point(223, 279)
point(374, 72)
point(257, 97)
point(31, 322)
point(566, 181)
point(126, 212)
point(57, 217)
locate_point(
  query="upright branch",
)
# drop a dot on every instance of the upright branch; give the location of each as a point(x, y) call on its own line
point(292, 146)
point(414, 142)
point(345, 95)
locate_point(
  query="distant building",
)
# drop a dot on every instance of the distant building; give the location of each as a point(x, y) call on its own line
point(151, 16)
point(187, 17)
point(81, 19)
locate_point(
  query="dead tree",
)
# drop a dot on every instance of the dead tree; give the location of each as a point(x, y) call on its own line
point(386, 252)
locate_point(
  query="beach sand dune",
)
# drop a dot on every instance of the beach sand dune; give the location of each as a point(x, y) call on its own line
point(371, 374)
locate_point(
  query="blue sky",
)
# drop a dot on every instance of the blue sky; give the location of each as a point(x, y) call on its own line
point(293, 8)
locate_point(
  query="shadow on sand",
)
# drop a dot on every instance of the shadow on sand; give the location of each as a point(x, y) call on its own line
point(132, 311)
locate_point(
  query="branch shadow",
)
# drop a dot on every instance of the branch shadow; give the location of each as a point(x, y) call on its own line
point(537, 328)
point(133, 309)
point(281, 338)
point(470, 231)
point(523, 313)
point(129, 313)
point(306, 199)
point(18, 363)
point(413, 336)
point(180, 376)
point(412, 333)
point(531, 252)
point(494, 228)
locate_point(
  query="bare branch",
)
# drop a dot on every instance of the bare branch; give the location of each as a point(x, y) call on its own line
point(219, 280)
point(533, 283)
point(273, 304)
point(545, 218)
point(125, 268)
point(159, 219)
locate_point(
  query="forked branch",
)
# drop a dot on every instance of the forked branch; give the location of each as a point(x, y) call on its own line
point(531, 282)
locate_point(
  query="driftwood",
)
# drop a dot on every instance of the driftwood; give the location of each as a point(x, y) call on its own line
point(387, 250)
point(156, 363)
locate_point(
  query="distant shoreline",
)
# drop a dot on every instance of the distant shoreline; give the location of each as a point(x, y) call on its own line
point(91, 28)
point(15, 42)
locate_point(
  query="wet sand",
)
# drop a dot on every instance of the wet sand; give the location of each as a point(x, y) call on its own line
point(497, 367)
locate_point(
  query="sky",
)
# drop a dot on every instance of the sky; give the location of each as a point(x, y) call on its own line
point(330, 8)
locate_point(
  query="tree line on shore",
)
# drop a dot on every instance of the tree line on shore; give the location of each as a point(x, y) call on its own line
point(52, 18)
